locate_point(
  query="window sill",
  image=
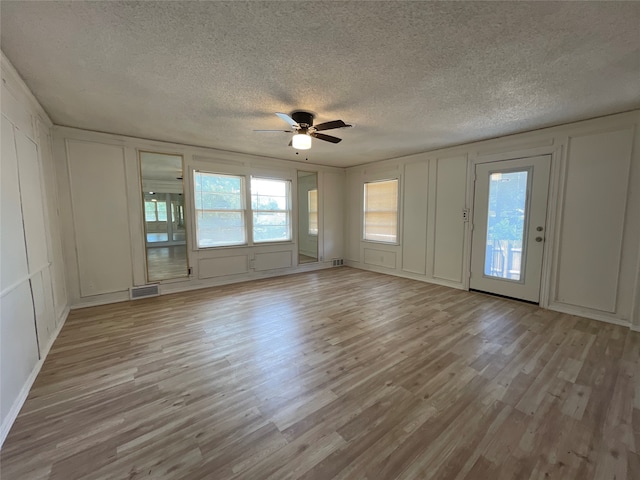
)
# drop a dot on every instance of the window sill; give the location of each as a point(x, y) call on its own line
point(378, 242)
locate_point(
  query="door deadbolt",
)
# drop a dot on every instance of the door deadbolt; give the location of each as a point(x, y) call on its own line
point(538, 239)
point(539, 229)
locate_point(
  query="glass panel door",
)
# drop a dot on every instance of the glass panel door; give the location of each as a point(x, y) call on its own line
point(509, 221)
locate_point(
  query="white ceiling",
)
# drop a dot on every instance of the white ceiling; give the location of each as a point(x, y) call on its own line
point(411, 76)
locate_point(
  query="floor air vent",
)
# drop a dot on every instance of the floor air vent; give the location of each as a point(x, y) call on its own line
point(144, 291)
point(336, 262)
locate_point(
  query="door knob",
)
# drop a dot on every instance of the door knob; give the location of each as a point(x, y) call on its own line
point(538, 239)
point(538, 229)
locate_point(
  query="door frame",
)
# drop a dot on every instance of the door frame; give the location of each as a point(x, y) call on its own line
point(556, 173)
point(536, 194)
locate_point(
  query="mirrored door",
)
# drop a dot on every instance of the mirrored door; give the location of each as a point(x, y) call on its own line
point(165, 234)
point(307, 217)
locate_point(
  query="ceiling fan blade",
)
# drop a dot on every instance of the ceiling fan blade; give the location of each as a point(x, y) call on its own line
point(263, 131)
point(288, 119)
point(326, 138)
point(330, 125)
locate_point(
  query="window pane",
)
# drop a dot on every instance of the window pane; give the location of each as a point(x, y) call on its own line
point(162, 211)
point(270, 202)
point(505, 224)
point(218, 192)
point(150, 211)
point(269, 194)
point(219, 203)
point(270, 233)
point(220, 228)
point(271, 226)
point(381, 211)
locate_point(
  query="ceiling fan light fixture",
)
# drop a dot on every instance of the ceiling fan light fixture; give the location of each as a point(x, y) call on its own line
point(301, 141)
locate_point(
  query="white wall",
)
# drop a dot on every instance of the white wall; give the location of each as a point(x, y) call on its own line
point(431, 231)
point(33, 299)
point(592, 254)
point(104, 241)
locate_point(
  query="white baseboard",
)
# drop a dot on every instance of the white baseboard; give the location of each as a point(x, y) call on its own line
point(24, 392)
point(103, 299)
point(168, 288)
point(557, 307)
point(403, 274)
point(588, 313)
point(185, 285)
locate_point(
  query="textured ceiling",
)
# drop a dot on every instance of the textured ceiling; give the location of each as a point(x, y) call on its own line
point(410, 76)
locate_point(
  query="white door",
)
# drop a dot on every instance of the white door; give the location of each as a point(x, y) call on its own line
point(509, 224)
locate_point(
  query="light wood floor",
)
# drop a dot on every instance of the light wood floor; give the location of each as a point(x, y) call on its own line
point(335, 374)
point(167, 262)
point(302, 258)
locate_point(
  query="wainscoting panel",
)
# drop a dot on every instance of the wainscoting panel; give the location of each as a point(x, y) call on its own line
point(380, 258)
point(223, 266)
point(593, 219)
point(414, 237)
point(272, 260)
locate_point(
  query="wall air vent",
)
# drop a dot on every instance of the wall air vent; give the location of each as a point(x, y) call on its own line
point(337, 262)
point(144, 291)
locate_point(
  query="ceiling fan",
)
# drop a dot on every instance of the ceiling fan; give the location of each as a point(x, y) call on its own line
point(304, 130)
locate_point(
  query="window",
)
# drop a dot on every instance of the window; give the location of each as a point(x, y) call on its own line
point(162, 211)
point(155, 211)
point(313, 211)
point(220, 210)
point(505, 224)
point(150, 211)
point(381, 211)
point(271, 210)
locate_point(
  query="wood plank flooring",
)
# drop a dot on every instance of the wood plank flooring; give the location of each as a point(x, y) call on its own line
point(335, 374)
point(167, 262)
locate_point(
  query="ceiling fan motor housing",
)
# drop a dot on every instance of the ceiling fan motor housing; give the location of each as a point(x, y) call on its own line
point(303, 118)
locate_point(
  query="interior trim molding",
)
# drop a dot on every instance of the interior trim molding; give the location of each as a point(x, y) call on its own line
point(16, 84)
point(588, 313)
point(167, 288)
point(199, 152)
point(27, 278)
point(403, 274)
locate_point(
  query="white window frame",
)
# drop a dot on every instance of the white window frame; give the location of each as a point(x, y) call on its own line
point(397, 211)
point(288, 211)
point(243, 210)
